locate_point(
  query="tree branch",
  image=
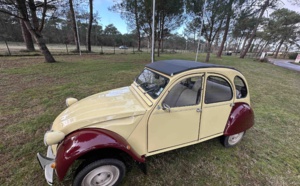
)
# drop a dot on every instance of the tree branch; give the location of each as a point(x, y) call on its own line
point(9, 13)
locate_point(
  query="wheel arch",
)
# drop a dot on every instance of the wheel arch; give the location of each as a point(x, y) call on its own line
point(240, 119)
point(84, 143)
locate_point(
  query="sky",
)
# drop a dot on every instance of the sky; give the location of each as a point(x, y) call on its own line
point(108, 17)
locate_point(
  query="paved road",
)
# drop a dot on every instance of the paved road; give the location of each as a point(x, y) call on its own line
point(285, 64)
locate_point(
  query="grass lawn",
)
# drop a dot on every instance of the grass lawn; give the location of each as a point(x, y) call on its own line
point(295, 63)
point(32, 94)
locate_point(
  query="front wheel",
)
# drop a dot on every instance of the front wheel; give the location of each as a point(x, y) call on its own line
point(230, 141)
point(105, 172)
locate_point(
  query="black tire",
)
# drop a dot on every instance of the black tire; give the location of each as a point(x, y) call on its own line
point(232, 140)
point(101, 172)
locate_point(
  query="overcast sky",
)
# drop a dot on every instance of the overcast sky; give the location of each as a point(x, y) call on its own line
point(109, 17)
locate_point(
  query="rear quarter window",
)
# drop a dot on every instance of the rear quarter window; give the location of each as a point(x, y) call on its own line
point(241, 88)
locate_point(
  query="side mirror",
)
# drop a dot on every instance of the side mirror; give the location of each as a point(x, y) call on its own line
point(166, 107)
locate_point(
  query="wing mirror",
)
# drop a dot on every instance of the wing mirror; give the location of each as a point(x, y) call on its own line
point(166, 107)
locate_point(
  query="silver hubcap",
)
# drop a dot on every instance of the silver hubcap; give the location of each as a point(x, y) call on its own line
point(234, 139)
point(104, 175)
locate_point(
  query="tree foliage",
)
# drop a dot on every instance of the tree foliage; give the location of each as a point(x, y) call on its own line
point(29, 11)
point(238, 25)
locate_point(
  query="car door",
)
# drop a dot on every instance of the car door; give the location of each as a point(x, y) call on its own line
point(177, 122)
point(217, 104)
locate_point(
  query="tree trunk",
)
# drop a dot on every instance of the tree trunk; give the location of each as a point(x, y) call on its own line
point(257, 47)
point(27, 37)
point(137, 23)
point(162, 32)
point(40, 42)
point(34, 31)
point(263, 48)
point(88, 36)
point(264, 7)
point(219, 54)
point(286, 50)
point(74, 27)
point(216, 43)
point(208, 51)
point(245, 41)
point(278, 48)
point(158, 48)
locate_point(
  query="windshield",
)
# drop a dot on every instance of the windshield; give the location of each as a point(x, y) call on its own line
point(152, 83)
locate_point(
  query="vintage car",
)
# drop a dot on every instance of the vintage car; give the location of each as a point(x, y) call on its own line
point(171, 104)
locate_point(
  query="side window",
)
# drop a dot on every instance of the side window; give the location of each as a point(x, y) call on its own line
point(185, 93)
point(217, 90)
point(240, 86)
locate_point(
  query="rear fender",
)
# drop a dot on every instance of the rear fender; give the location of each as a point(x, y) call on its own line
point(81, 142)
point(241, 119)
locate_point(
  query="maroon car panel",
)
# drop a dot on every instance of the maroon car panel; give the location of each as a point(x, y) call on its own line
point(241, 119)
point(83, 141)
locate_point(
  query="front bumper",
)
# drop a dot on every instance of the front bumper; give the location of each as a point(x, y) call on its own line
point(45, 162)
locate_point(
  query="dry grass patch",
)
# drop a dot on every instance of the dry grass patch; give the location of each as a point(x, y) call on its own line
point(32, 94)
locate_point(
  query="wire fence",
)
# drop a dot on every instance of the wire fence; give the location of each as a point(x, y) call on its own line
point(16, 49)
point(19, 49)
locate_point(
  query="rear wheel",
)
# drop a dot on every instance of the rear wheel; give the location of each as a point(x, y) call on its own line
point(105, 172)
point(232, 140)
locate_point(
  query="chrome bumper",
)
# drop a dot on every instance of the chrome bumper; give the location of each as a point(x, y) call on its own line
point(45, 163)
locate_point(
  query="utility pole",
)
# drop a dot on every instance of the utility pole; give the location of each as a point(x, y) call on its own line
point(153, 37)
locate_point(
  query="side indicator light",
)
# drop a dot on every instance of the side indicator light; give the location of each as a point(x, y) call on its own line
point(53, 165)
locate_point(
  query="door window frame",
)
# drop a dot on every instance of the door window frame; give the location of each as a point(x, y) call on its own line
point(204, 90)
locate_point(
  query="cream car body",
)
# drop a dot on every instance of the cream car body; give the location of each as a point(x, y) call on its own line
point(143, 124)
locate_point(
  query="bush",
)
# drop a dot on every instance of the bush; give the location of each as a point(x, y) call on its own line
point(264, 60)
point(293, 55)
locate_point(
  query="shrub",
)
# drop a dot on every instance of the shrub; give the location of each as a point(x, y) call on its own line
point(293, 55)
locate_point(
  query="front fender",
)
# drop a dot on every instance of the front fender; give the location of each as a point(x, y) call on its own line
point(241, 119)
point(83, 141)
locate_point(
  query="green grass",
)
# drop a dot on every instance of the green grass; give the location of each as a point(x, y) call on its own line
point(32, 94)
point(295, 63)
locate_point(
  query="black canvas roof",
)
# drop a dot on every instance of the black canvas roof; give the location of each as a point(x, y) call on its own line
point(172, 67)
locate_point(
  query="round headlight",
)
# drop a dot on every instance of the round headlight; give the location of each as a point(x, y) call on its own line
point(53, 137)
point(70, 101)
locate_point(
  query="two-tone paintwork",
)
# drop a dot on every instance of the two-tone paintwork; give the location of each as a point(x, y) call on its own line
point(83, 141)
point(123, 117)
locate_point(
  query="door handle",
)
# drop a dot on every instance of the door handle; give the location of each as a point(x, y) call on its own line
point(198, 110)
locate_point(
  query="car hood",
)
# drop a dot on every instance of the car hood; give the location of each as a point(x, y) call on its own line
point(100, 108)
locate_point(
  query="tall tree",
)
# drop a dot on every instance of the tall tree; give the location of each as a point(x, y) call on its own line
point(243, 26)
point(74, 25)
point(213, 19)
point(284, 24)
point(26, 36)
point(229, 12)
point(88, 36)
point(27, 11)
point(192, 28)
point(169, 16)
point(266, 4)
point(131, 11)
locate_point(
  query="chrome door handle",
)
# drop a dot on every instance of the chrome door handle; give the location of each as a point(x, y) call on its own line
point(198, 110)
